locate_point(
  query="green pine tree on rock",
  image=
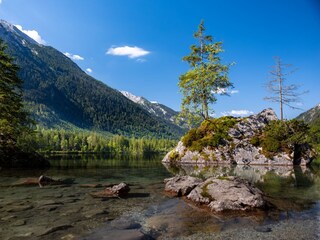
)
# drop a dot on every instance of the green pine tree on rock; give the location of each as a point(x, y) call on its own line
point(206, 77)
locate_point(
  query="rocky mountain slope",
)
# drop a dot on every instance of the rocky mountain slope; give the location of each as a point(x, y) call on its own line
point(311, 115)
point(154, 108)
point(60, 94)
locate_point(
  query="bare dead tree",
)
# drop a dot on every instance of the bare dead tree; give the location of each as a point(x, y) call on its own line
point(283, 94)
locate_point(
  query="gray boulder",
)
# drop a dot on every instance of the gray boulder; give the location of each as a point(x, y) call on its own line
point(227, 193)
point(181, 185)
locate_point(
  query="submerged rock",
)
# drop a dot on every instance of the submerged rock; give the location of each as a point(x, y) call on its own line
point(45, 180)
point(119, 190)
point(219, 194)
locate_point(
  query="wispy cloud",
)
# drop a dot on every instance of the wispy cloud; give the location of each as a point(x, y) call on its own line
point(73, 56)
point(31, 33)
point(89, 70)
point(222, 91)
point(237, 113)
point(141, 60)
point(131, 52)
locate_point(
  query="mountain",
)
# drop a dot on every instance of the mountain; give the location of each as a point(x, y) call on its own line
point(61, 95)
point(154, 108)
point(311, 115)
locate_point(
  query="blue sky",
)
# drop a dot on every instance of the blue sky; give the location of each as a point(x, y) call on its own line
point(137, 45)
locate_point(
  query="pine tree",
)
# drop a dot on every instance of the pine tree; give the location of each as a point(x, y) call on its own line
point(206, 77)
point(13, 118)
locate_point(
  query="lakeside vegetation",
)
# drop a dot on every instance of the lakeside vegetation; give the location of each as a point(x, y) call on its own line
point(63, 141)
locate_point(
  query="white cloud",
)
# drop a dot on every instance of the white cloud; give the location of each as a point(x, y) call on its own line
point(73, 56)
point(0, 1)
point(131, 52)
point(89, 70)
point(221, 91)
point(31, 33)
point(237, 113)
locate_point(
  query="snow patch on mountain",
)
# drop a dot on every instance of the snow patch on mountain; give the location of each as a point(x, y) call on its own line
point(153, 107)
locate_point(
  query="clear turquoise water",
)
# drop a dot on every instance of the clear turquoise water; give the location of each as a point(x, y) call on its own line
point(70, 212)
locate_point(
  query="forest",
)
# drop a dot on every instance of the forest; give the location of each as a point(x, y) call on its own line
point(64, 141)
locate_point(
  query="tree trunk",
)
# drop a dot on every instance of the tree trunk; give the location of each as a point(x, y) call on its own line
point(205, 110)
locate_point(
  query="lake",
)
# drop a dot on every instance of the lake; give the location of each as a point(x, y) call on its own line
point(69, 211)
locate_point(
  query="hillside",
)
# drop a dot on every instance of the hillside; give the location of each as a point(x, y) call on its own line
point(60, 94)
point(310, 116)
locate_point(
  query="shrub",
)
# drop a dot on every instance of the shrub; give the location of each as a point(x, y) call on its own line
point(281, 136)
point(211, 133)
point(174, 155)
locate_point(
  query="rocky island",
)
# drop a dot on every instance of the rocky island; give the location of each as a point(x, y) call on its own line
point(259, 139)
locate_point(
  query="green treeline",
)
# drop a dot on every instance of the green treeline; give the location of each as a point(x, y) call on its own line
point(44, 140)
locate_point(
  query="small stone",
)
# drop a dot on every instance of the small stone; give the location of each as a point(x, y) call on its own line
point(19, 223)
point(19, 208)
point(263, 229)
point(8, 217)
point(23, 235)
point(68, 237)
point(118, 190)
point(56, 228)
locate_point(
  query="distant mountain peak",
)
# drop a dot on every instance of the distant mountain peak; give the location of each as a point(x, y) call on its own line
point(8, 27)
point(133, 97)
point(153, 107)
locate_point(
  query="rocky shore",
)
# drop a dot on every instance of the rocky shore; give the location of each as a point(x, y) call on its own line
point(239, 146)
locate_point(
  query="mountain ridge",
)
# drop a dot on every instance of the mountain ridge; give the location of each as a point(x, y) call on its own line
point(310, 115)
point(153, 107)
point(60, 93)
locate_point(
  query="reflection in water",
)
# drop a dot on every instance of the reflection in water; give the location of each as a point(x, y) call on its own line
point(286, 188)
point(34, 210)
point(68, 161)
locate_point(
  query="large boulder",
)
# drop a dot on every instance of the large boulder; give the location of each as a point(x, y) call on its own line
point(181, 185)
point(227, 193)
point(218, 193)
